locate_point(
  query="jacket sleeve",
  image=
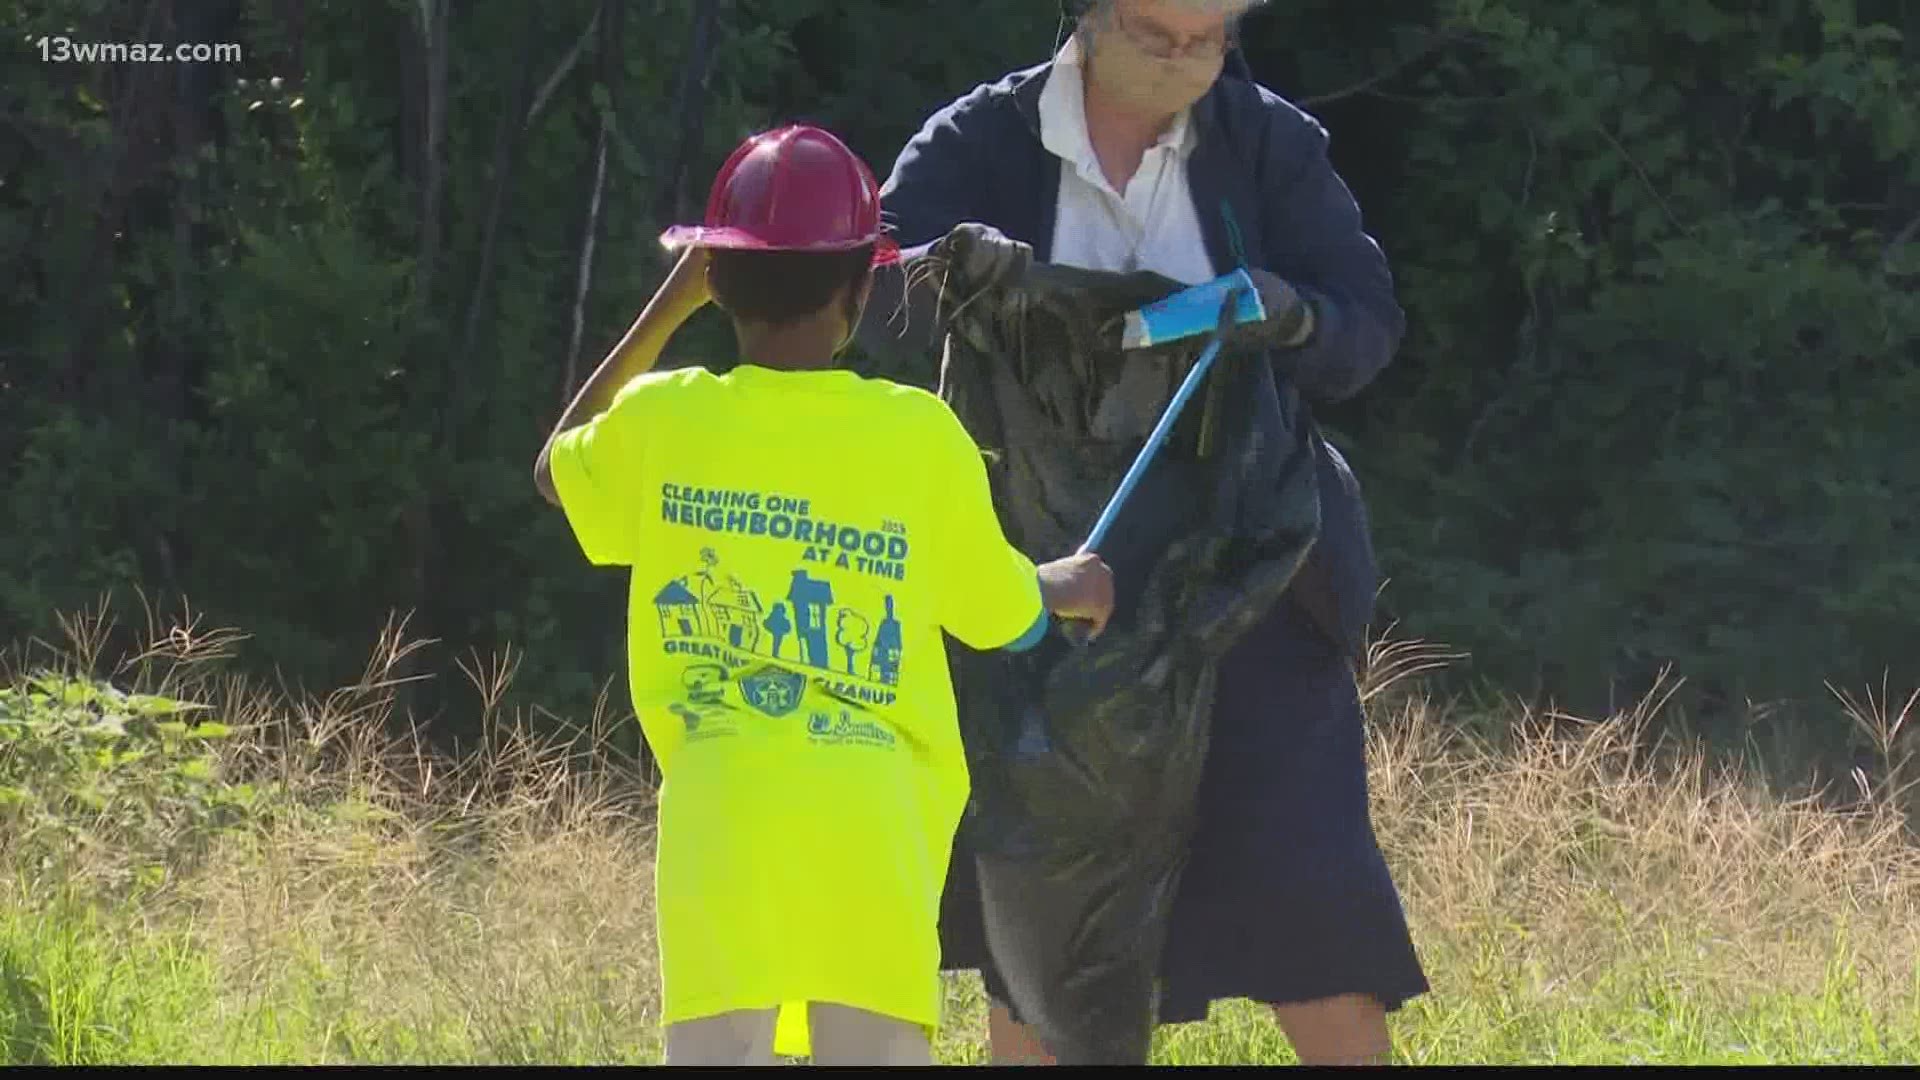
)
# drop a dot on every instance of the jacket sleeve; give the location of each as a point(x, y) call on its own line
point(1312, 229)
point(935, 185)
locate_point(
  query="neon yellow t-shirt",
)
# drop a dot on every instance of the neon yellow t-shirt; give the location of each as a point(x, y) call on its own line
point(799, 542)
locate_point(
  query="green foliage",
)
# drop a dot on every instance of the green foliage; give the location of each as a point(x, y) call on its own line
point(87, 770)
point(1654, 407)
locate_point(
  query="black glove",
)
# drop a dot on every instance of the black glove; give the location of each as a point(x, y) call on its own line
point(1290, 316)
point(983, 257)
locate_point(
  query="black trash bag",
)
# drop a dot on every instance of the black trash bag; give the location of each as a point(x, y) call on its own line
point(1086, 761)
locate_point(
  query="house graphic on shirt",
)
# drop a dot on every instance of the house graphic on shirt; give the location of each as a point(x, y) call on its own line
point(681, 613)
point(736, 615)
point(809, 598)
point(707, 604)
point(884, 666)
point(803, 627)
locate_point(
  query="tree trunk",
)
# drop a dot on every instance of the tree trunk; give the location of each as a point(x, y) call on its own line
point(690, 108)
point(182, 364)
point(420, 518)
point(609, 71)
point(506, 155)
point(433, 30)
point(562, 69)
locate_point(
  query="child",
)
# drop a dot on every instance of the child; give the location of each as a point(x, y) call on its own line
point(799, 537)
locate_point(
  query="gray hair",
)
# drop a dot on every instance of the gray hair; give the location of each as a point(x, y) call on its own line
point(1237, 7)
point(1099, 14)
point(1233, 8)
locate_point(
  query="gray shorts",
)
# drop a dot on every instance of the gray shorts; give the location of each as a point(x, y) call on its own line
point(840, 1036)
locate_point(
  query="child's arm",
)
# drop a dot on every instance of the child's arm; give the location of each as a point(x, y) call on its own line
point(1078, 587)
point(682, 294)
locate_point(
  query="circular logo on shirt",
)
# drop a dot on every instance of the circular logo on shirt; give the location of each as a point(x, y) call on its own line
point(773, 690)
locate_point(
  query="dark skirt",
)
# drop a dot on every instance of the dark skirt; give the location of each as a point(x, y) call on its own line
point(1286, 897)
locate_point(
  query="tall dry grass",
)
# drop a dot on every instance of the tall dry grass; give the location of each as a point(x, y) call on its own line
point(1586, 861)
point(1570, 884)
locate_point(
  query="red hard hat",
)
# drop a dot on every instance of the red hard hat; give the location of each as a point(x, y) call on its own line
point(797, 188)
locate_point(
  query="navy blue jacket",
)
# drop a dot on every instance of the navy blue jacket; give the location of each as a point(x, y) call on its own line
point(1259, 170)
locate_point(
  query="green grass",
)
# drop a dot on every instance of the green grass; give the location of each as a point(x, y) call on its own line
point(75, 992)
point(1576, 899)
point(77, 989)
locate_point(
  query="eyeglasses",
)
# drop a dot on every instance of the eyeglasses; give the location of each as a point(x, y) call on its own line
point(1156, 42)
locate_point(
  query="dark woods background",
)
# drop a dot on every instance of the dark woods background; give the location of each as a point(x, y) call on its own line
point(281, 337)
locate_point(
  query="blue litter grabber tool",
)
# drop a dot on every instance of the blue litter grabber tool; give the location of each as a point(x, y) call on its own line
point(1078, 632)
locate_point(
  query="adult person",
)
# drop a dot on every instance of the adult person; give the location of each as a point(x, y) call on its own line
point(1145, 144)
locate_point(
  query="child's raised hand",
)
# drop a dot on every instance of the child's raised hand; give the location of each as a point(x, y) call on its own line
point(686, 287)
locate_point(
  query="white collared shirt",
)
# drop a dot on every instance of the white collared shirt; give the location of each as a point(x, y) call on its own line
point(1152, 225)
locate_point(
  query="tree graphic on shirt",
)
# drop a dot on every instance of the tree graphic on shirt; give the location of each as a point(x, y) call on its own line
point(709, 559)
point(779, 625)
point(850, 631)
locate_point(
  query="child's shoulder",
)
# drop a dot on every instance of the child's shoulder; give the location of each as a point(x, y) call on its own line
point(925, 411)
point(903, 395)
point(669, 381)
point(907, 398)
point(663, 378)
